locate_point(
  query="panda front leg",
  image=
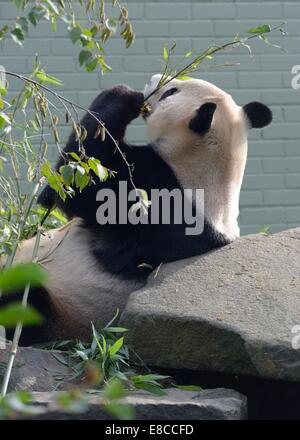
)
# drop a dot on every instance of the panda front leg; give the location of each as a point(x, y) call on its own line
point(115, 108)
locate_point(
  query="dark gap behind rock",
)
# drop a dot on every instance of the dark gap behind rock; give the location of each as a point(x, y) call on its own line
point(267, 399)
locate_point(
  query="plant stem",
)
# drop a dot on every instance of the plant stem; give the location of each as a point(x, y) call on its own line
point(30, 201)
point(19, 326)
point(239, 41)
point(72, 104)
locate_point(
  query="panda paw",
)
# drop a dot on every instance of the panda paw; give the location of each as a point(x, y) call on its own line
point(132, 100)
point(137, 101)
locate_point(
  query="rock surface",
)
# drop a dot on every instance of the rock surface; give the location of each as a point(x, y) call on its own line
point(218, 404)
point(34, 369)
point(231, 310)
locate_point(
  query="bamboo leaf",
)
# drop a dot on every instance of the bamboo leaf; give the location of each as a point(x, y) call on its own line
point(15, 312)
point(17, 277)
point(75, 33)
point(84, 55)
point(260, 29)
point(43, 76)
point(116, 347)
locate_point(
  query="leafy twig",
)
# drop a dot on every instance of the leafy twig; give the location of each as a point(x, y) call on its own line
point(170, 73)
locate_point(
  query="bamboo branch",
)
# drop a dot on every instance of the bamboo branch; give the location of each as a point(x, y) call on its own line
point(19, 326)
point(209, 52)
point(91, 113)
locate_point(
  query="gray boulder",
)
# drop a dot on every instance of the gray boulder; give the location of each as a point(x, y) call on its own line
point(34, 369)
point(218, 404)
point(231, 310)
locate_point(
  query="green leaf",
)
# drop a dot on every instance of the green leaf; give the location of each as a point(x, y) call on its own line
point(4, 119)
point(75, 33)
point(15, 312)
point(91, 65)
point(17, 277)
point(46, 169)
point(116, 330)
point(52, 6)
point(98, 169)
point(17, 35)
point(116, 347)
point(120, 411)
point(75, 156)
point(260, 29)
point(67, 173)
point(81, 180)
point(149, 377)
point(36, 14)
point(114, 390)
point(19, 402)
point(166, 54)
point(189, 387)
point(84, 55)
point(264, 229)
point(43, 76)
point(82, 355)
point(3, 31)
point(153, 389)
point(184, 78)
point(3, 90)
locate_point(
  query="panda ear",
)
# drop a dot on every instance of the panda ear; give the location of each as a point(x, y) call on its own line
point(258, 114)
point(202, 121)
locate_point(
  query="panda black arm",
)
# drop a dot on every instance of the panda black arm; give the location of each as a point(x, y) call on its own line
point(116, 108)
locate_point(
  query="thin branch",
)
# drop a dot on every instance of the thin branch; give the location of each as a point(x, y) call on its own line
point(19, 326)
point(91, 113)
point(209, 52)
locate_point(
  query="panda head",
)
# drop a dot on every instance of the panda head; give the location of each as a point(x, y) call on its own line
point(202, 133)
point(194, 109)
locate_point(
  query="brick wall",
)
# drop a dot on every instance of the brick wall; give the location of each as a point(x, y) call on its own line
point(271, 189)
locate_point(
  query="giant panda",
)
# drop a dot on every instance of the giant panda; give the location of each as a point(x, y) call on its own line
point(198, 139)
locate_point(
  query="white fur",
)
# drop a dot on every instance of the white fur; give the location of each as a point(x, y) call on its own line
point(81, 289)
point(214, 162)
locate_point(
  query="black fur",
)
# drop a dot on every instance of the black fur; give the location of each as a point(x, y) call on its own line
point(124, 247)
point(258, 114)
point(121, 249)
point(202, 121)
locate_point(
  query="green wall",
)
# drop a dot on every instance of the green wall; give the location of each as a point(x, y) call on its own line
point(271, 189)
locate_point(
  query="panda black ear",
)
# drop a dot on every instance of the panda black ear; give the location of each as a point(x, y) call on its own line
point(202, 121)
point(258, 114)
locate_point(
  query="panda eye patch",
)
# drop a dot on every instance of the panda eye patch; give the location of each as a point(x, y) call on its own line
point(168, 93)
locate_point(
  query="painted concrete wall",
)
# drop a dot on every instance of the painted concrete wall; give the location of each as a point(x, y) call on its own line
point(271, 189)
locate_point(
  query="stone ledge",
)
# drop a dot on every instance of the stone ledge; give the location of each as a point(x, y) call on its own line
point(231, 310)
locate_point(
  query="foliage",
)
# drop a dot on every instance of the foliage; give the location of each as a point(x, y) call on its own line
point(26, 122)
point(264, 229)
point(105, 359)
point(181, 70)
point(90, 38)
point(29, 122)
point(16, 278)
point(74, 401)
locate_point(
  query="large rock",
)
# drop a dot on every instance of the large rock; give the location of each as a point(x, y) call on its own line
point(218, 404)
point(37, 370)
point(34, 369)
point(231, 310)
